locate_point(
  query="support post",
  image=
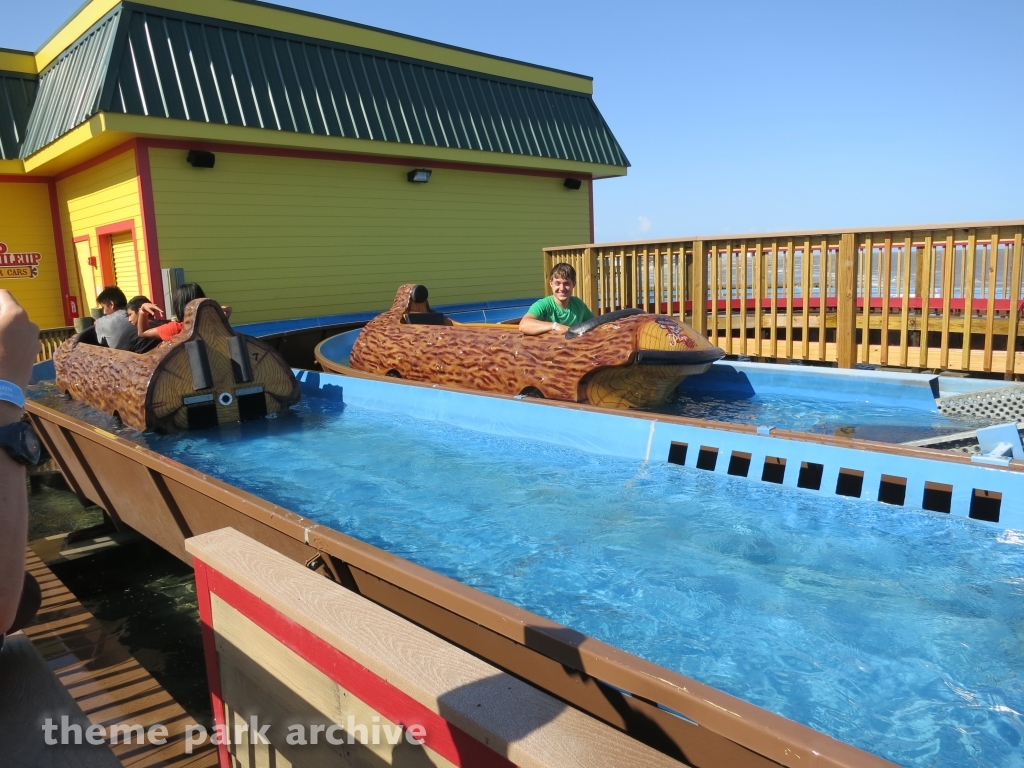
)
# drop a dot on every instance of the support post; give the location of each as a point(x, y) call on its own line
point(700, 288)
point(590, 285)
point(846, 302)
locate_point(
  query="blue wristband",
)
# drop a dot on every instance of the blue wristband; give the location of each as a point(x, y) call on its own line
point(11, 393)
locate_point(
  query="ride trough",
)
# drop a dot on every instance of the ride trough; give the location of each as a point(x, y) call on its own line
point(624, 359)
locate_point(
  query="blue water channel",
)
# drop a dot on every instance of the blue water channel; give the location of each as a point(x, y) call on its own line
point(901, 632)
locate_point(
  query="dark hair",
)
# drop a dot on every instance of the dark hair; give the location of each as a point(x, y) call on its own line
point(137, 302)
point(564, 271)
point(185, 293)
point(112, 295)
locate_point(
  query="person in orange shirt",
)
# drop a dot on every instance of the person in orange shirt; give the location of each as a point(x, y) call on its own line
point(182, 296)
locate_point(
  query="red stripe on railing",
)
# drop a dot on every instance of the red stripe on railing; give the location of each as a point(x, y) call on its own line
point(449, 741)
point(895, 304)
point(210, 651)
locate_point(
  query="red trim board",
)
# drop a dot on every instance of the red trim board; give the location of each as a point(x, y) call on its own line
point(145, 181)
point(68, 302)
point(120, 149)
point(107, 263)
point(590, 196)
point(7, 178)
point(210, 652)
point(449, 741)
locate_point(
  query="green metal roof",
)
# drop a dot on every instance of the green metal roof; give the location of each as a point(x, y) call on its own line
point(17, 92)
point(71, 87)
point(144, 61)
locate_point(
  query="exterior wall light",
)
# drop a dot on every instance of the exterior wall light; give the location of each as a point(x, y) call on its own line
point(573, 183)
point(197, 158)
point(419, 176)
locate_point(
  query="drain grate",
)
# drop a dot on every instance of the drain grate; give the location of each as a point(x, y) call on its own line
point(1003, 404)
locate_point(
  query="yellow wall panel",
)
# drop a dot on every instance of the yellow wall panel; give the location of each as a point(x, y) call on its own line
point(26, 227)
point(280, 237)
point(105, 194)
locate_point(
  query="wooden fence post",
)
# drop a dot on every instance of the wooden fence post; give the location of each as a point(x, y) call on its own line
point(700, 289)
point(846, 302)
point(590, 281)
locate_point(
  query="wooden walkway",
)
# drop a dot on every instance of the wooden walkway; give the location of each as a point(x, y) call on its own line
point(105, 681)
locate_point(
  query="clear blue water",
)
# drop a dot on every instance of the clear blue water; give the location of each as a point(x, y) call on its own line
point(888, 424)
point(900, 632)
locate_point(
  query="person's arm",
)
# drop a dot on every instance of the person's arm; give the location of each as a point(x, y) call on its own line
point(142, 329)
point(19, 346)
point(534, 326)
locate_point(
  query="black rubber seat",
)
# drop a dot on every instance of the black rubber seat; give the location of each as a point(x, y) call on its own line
point(425, 318)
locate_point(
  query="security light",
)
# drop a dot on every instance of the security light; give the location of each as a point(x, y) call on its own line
point(197, 158)
point(573, 183)
point(419, 176)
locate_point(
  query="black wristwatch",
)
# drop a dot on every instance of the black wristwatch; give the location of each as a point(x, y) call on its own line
point(21, 443)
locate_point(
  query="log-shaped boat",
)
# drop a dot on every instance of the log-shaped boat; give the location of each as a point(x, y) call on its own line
point(624, 359)
point(204, 376)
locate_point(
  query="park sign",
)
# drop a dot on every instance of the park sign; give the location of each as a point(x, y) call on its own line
point(17, 266)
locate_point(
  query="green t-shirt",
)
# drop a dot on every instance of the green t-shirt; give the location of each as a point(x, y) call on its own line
point(547, 309)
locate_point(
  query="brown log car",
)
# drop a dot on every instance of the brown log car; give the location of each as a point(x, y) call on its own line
point(625, 359)
point(204, 376)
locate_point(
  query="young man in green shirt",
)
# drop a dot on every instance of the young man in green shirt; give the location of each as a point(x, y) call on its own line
point(557, 312)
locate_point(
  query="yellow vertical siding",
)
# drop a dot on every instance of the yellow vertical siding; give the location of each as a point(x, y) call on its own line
point(283, 237)
point(105, 194)
point(125, 270)
point(26, 227)
point(89, 275)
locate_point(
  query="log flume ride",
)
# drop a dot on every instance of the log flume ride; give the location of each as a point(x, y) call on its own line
point(624, 359)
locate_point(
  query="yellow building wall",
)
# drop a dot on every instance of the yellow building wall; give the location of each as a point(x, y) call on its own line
point(107, 193)
point(280, 237)
point(27, 227)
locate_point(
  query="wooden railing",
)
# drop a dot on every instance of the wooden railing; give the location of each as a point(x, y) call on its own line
point(50, 339)
point(932, 297)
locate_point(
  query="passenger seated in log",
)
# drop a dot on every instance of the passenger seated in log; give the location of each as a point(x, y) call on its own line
point(133, 311)
point(419, 311)
point(182, 296)
point(142, 344)
point(561, 310)
point(114, 330)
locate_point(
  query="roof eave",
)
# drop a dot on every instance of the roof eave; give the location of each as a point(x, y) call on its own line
point(105, 130)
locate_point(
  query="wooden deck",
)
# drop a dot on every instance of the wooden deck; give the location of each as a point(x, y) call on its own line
point(101, 680)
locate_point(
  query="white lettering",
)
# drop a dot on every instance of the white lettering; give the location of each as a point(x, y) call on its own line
point(126, 732)
point(313, 731)
point(48, 728)
point(65, 731)
point(221, 735)
point(157, 734)
point(416, 734)
point(395, 736)
point(257, 733)
point(352, 728)
point(332, 739)
point(95, 735)
point(194, 736)
point(296, 735)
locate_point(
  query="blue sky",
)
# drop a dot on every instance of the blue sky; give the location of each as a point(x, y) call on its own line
point(753, 116)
